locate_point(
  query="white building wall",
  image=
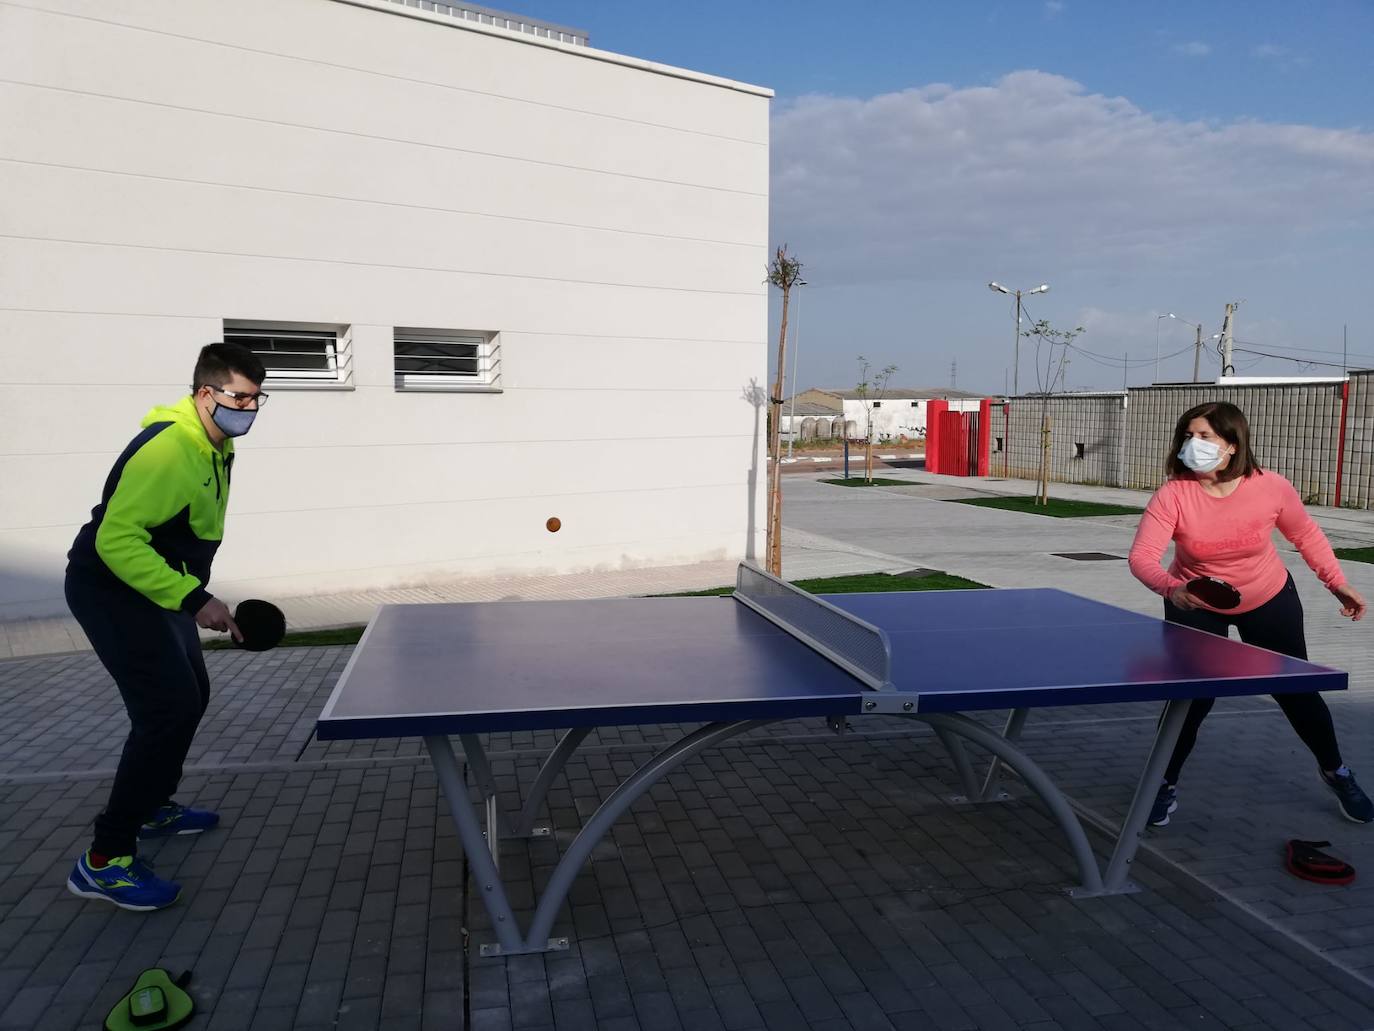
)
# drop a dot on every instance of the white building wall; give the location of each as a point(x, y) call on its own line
point(168, 165)
point(900, 416)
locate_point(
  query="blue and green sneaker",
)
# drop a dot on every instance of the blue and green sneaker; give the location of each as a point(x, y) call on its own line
point(173, 818)
point(126, 881)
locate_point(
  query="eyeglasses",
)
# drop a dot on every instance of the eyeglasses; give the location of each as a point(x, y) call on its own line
point(241, 399)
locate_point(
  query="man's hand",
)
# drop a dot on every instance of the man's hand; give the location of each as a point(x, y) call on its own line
point(1182, 599)
point(215, 615)
point(1352, 602)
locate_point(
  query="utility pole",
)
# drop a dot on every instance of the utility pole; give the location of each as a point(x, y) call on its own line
point(953, 374)
point(1124, 363)
point(1197, 354)
point(1228, 367)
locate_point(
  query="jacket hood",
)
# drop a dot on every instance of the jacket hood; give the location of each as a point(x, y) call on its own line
point(187, 419)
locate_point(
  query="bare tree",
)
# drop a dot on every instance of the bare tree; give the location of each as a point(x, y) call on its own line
point(1047, 336)
point(785, 273)
point(870, 390)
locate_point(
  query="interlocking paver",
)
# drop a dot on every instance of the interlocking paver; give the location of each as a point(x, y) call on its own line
point(790, 879)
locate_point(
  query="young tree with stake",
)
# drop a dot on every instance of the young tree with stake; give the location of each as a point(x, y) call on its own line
point(871, 391)
point(785, 273)
point(1043, 332)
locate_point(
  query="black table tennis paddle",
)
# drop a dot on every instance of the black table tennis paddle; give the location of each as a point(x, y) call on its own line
point(1216, 593)
point(262, 624)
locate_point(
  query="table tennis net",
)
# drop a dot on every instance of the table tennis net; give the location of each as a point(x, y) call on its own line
point(854, 645)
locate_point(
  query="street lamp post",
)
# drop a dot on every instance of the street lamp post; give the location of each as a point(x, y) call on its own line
point(1016, 351)
point(1158, 319)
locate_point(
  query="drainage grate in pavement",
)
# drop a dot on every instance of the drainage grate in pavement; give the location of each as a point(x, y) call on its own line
point(1089, 556)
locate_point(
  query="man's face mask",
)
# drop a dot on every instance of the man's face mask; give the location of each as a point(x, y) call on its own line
point(231, 420)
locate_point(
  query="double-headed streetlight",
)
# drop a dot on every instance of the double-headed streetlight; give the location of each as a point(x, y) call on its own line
point(1016, 352)
point(1197, 352)
point(1158, 320)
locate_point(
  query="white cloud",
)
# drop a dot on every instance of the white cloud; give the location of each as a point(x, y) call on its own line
point(1268, 51)
point(936, 181)
point(1193, 48)
point(1053, 8)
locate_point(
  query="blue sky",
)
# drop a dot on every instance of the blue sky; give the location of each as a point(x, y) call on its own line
point(1141, 158)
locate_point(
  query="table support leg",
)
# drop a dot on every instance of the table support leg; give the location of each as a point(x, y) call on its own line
point(958, 755)
point(1036, 779)
point(561, 880)
point(548, 773)
point(1133, 827)
point(481, 863)
point(992, 788)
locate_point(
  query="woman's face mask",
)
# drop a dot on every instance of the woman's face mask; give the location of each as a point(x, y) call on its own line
point(1201, 456)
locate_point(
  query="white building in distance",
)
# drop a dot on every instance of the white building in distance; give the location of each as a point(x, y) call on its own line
point(495, 275)
point(900, 412)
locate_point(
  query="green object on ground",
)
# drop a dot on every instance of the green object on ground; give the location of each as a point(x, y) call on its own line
point(861, 583)
point(877, 481)
point(1356, 554)
point(155, 1002)
point(1060, 508)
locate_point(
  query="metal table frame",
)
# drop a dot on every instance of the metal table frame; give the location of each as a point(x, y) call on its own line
point(952, 729)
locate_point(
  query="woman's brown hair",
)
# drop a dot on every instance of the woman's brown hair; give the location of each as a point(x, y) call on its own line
point(1228, 422)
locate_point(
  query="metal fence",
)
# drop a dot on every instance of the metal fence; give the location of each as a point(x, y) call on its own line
point(1319, 434)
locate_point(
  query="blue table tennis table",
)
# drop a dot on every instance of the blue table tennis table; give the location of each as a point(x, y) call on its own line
point(768, 653)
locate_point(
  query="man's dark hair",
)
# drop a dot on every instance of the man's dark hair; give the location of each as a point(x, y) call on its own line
point(1228, 423)
point(218, 361)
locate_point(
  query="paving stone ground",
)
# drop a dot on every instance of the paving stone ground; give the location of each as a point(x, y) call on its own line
point(789, 879)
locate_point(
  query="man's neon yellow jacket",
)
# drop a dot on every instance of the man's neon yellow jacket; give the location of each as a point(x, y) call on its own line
point(161, 516)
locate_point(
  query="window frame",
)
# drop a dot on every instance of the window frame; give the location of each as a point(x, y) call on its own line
point(487, 380)
point(339, 372)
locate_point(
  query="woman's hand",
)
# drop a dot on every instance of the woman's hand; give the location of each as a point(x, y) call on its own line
point(1181, 599)
point(1352, 602)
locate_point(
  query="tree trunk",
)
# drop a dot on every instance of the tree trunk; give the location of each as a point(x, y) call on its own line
point(1043, 494)
point(773, 544)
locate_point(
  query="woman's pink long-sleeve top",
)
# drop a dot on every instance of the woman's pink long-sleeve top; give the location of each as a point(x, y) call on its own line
point(1229, 538)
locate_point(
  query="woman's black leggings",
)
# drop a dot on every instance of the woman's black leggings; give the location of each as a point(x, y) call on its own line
point(1276, 625)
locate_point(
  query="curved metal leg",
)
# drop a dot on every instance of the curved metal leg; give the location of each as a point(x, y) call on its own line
point(539, 790)
point(1037, 780)
point(958, 755)
point(561, 880)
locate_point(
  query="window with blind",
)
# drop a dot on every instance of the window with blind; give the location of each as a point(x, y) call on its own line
point(438, 359)
point(296, 354)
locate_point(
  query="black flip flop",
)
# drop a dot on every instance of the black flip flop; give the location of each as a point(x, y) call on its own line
point(262, 624)
point(1306, 860)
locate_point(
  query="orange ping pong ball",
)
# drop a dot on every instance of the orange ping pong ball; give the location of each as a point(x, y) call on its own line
point(553, 524)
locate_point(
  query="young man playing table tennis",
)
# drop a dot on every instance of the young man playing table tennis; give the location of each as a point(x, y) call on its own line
point(136, 582)
point(1219, 508)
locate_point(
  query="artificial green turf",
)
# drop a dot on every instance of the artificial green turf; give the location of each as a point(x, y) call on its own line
point(863, 583)
point(1356, 554)
point(1060, 508)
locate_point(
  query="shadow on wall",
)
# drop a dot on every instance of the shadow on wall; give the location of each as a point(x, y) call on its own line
point(756, 396)
point(26, 593)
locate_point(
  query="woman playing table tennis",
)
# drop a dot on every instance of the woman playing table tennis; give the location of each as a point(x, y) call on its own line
point(1219, 508)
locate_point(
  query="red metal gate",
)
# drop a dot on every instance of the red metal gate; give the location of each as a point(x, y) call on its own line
point(957, 442)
